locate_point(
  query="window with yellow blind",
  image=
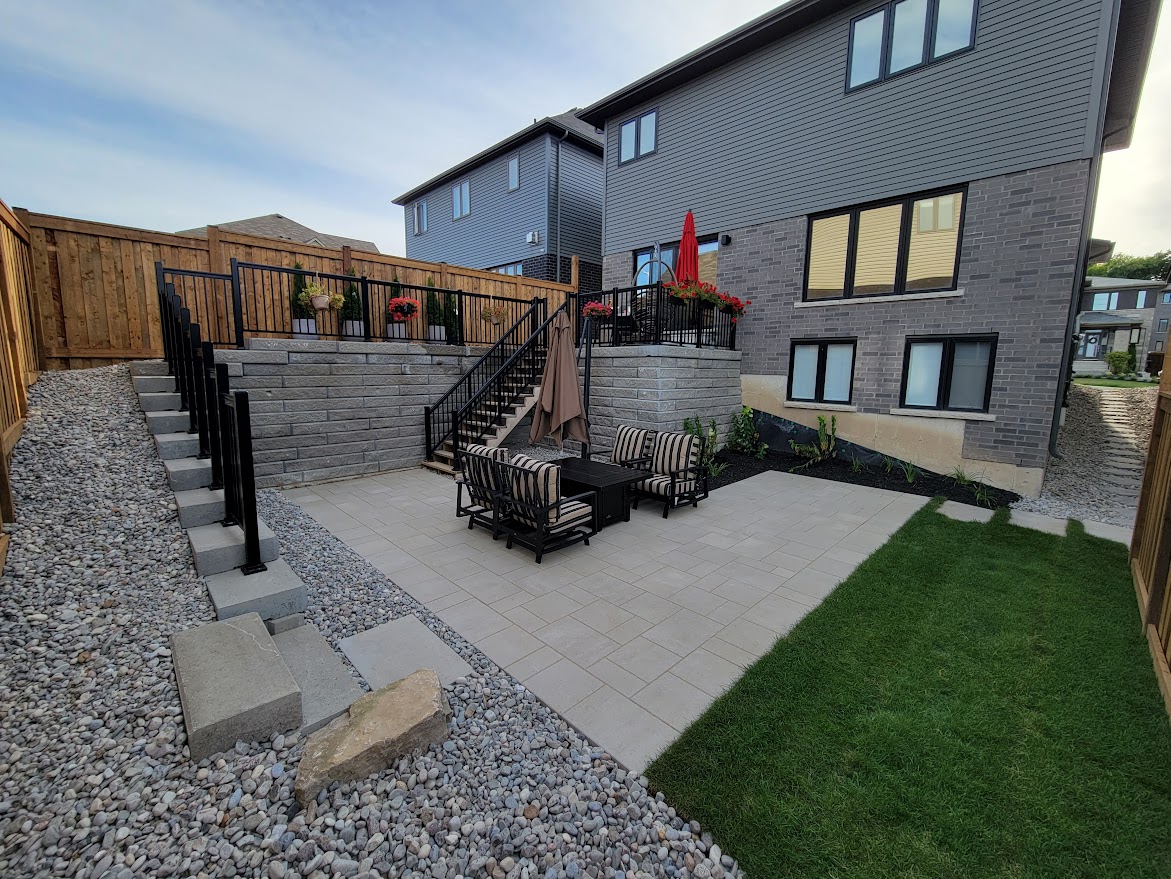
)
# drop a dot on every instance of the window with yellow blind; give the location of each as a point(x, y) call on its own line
point(909, 245)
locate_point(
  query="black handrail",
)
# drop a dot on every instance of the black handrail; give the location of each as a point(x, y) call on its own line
point(240, 476)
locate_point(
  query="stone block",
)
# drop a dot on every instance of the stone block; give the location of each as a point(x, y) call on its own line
point(327, 687)
point(377, 729)
point(200, 506)
point(252, 356)
point(272, 594)
point(395, 649)
point(148, 367)
point(283, 624)
point(233, 685)
point(188, 473)
point(167, 422)
point(177, 445)
point(154, 384)
point(217, 549)
point(291, 345)
point(159, 402)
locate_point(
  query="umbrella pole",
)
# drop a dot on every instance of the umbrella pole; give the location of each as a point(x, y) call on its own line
point(589, 348)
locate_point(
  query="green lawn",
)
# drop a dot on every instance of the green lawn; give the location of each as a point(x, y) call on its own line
point(1112, 383)
point(975, 700)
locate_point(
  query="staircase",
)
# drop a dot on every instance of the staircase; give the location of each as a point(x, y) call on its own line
point(484, 426)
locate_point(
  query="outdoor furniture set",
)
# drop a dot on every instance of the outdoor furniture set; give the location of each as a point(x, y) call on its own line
point(545, 505)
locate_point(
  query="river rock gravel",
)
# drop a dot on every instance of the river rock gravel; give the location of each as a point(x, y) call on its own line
point(94, 777)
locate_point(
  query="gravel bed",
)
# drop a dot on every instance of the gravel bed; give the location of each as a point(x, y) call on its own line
point(1072, 487)
point(94, 780)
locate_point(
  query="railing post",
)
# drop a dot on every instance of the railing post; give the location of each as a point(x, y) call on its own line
point(160, 293)
point(366, 322)
point(200, 388)
point(247, 486)
point(659, 309)
point(427, 432)
point(215, 381)
point(455, 439)
point(181, 370)
point(237, 305)
point(699, 310)
point(190, 343)
point(228, 451)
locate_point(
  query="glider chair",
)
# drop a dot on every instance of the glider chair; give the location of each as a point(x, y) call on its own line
point(632, 447)
point(676, 478)
point(481, 480)
point(538, 517)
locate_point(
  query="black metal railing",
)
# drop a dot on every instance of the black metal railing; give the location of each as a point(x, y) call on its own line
point(240, 475)
point(207, 295)
point(442, 418)
point(649, 315)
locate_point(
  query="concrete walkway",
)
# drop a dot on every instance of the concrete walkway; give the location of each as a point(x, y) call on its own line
point(632, 637)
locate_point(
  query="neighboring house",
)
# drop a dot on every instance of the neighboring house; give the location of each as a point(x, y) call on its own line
point(526, 205)
point(1115, 313)
point(278, 226)
point(903, 190)
point(1161, 320)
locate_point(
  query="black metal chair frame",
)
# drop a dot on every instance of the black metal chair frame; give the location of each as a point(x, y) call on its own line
point(539, 538)
point(675, 497)
point(481, 498)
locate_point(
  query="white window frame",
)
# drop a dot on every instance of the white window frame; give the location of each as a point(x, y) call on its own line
point(420, 216)
point(461, 200)
point(513, 163)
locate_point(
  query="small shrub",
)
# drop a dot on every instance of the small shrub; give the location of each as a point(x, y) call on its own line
point(298, 301)
point(856, 465)
point(710, 439)
point(888, 463)
point(960, 476)
point(743, 436)
point(715, 468)
point(980, 490)
point(434, 306)
point(910, 471)
point(1118, 362)
point(352, 305)
point(823, 450)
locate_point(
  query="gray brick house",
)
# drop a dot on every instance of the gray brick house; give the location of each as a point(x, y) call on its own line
point(1113, 314)
point(526, 205)
point(903, 190)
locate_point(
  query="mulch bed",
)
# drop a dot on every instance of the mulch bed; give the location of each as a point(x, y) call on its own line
point(927, 483)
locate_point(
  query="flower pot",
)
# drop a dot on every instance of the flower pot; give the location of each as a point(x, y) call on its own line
point(396, 330)
point(305, 328)
point(436, 333)
point(321, 303)
point(353, 330)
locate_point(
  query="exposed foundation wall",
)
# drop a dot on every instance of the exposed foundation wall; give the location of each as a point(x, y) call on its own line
point(327, 410)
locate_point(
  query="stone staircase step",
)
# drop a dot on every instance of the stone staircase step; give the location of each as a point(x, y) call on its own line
point(217, 549)
point(200, 506)
point(177, 445)
point(188, 473)
point(148, 367)
point(160, 402)
point(393, 650)
point(440, 467)
point(154, 384)
point(275, 593)
point(234, 685)
point(167, 422)
point(327, 687)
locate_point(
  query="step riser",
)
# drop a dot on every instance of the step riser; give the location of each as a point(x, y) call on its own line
point(167, 422)
point(186, 474)
point(159, 402)
point(173, 446)
point(217, 549)
point(201, 506)
point(148, 367)
point(273, 594)
point(154, 384)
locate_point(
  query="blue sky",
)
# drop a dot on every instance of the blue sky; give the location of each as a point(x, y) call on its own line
point(173, 115)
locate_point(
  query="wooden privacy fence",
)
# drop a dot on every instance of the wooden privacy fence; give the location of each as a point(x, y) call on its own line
point(1150, 548)
point(96, 287)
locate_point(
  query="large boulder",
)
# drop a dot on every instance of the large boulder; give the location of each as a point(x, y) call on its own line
point(377, 729)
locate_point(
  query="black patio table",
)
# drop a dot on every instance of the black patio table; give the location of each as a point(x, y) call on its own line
point(608, 482)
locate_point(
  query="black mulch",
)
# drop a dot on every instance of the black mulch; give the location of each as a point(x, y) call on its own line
point(839, 470)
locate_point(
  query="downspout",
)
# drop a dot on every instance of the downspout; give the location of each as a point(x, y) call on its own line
point(1066, 374)
point(560, 141)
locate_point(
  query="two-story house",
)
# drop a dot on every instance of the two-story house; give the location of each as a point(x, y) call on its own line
point(904, 191)
point(1113, 314)
point(524, 206)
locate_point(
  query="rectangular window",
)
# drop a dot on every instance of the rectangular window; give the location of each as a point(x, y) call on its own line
point(709, 260)
point(1167, 298)
point(420, 217)
point(905, 246)
point(637, 136)
point(513, 268)
point(1158, 346)
point(460, 201)
point(648, 269)
point(1163, 325)
point(1105, 301)
point(514, 173)
point(905, 34)
point(1135, 335)
point(1140, 300)
point(950, 373)
point(822, 371)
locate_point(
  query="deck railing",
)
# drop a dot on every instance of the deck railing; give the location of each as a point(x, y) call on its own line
point(649, 315)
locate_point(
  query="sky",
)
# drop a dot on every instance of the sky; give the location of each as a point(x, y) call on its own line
point(175, 115)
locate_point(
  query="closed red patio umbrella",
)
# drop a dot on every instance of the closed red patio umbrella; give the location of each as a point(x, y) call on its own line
point(687, 263)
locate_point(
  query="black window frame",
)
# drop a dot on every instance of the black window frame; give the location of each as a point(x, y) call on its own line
point(419, 209)
point(467, 181)
point(637, 122)
point(946, 366)
point(515, 157)
point(1163, 321)
point(819, 379)
point(903, 255)
point(884, 74)
point(1166, 297)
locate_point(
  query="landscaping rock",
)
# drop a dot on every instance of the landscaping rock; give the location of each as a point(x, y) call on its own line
point(378, 729)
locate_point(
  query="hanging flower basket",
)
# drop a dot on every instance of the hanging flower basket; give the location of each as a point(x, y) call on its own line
point(734, 306)
point(693, 291)
point(493, 314)
point(597, 310)
point(317, 297)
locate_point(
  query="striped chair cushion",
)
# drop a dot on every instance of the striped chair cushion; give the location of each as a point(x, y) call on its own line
point(498, 454)
point(479, 474)
point(629, 444)
point(537, 483)
point(573, 513)
point(661, 485)
point(674, 451)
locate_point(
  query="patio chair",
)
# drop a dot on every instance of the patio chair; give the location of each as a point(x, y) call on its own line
point(538, 517)
point(632, 447)
point(676, 477)
point(482, 481)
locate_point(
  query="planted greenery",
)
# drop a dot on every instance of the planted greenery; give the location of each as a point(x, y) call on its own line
point(743, 436)
point(825, 448)
point(298, 302)
point(710, 440)
point(351, 308)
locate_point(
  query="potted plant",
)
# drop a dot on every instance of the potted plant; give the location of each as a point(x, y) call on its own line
point(436, 325)
point(734, 306)
point(599, 314)
point(399, 310)
point(304, 319)
point(682, 292)
point(493, 314)
point(353, 326)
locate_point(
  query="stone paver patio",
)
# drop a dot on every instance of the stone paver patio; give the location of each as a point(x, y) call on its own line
point(632, 637)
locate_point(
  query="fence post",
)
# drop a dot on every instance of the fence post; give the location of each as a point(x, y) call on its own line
point(366, 322)
point(237, 304)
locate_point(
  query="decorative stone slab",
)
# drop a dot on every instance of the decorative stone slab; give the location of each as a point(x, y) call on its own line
point(272, 594)
point(185, 474)
point(177, 445)
point(167, 422)
point(148, 367)
point(1038, 522)
point(160, 402)
point(283, 624)
point(327, 687)
point(965, 512)
point(200, 506)
point(217, 549)
point(393, 650)
point(233, 684)
point(1109, 532)
point(378, 729)
point(154, 384)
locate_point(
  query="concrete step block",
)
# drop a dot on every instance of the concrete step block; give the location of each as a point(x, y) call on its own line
point(188, 473)
point(177, 445)
point(283, 624)
point(167, 422)
point(148, 367)
point(273, 594)
point(234, 685)
point(394, 650)
point(217, 549)
point(327, 687)
point(159, 402)
point(200, 506)
point(154, 384)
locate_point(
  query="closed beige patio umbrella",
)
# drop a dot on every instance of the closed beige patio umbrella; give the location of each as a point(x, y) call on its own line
point(559, 412)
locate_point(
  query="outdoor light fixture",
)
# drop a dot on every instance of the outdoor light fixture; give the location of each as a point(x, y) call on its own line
point(725, 240)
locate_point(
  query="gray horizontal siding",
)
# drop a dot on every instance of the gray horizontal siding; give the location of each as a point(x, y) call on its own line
point(493, 233)
point(581, 203)
point(774, 135)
